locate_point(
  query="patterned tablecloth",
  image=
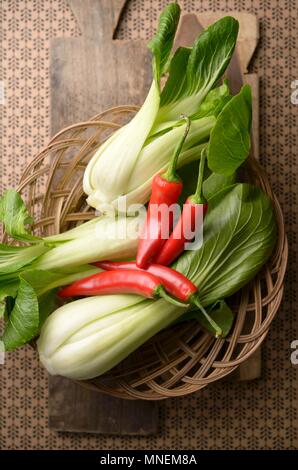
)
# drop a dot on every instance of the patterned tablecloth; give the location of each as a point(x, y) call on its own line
point(260, 414)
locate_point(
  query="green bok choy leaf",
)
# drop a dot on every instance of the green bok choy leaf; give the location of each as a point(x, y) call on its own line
point(15, 217)
point(193, 73)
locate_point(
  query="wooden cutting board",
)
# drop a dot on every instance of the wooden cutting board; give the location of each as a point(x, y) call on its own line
point(89, 74)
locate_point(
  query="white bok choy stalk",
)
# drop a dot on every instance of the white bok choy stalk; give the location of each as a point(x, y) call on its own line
point(105, 180)
point(106, 236)
point(31, 274)
point(126, 163)
point(88, 337)
point(139, 187)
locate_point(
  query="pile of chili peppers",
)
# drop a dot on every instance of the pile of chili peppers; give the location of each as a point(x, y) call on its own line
point(150, 275)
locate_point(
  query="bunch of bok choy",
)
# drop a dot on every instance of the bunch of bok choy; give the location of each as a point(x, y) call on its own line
point(28, 273)
point(87, 337)
point(126, 163)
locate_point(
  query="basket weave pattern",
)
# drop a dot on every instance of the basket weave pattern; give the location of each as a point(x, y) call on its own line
point(183, 358)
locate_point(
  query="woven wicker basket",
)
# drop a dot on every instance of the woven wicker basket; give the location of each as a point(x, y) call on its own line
point(182, 359)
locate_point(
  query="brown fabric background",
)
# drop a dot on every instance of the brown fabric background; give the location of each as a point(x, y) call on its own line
point(259, 414)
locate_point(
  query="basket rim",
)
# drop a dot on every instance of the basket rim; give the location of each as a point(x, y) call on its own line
point(220, 368)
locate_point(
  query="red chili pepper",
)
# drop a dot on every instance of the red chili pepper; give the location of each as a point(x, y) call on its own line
point(166, 189)
point(174, 282)
point(187, 224)
point(126, 281)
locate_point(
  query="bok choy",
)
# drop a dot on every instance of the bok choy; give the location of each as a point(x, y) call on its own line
point(103, 236)
point(126, 163)
point(85, 338)
point(28, 273)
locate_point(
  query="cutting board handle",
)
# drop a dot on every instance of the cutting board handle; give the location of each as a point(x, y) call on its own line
point(97, 19)
point(100, 19)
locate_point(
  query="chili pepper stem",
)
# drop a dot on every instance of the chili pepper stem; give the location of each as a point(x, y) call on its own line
point(197, 197)
point(170, 174)
point(162, 293)
point(218, 330)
